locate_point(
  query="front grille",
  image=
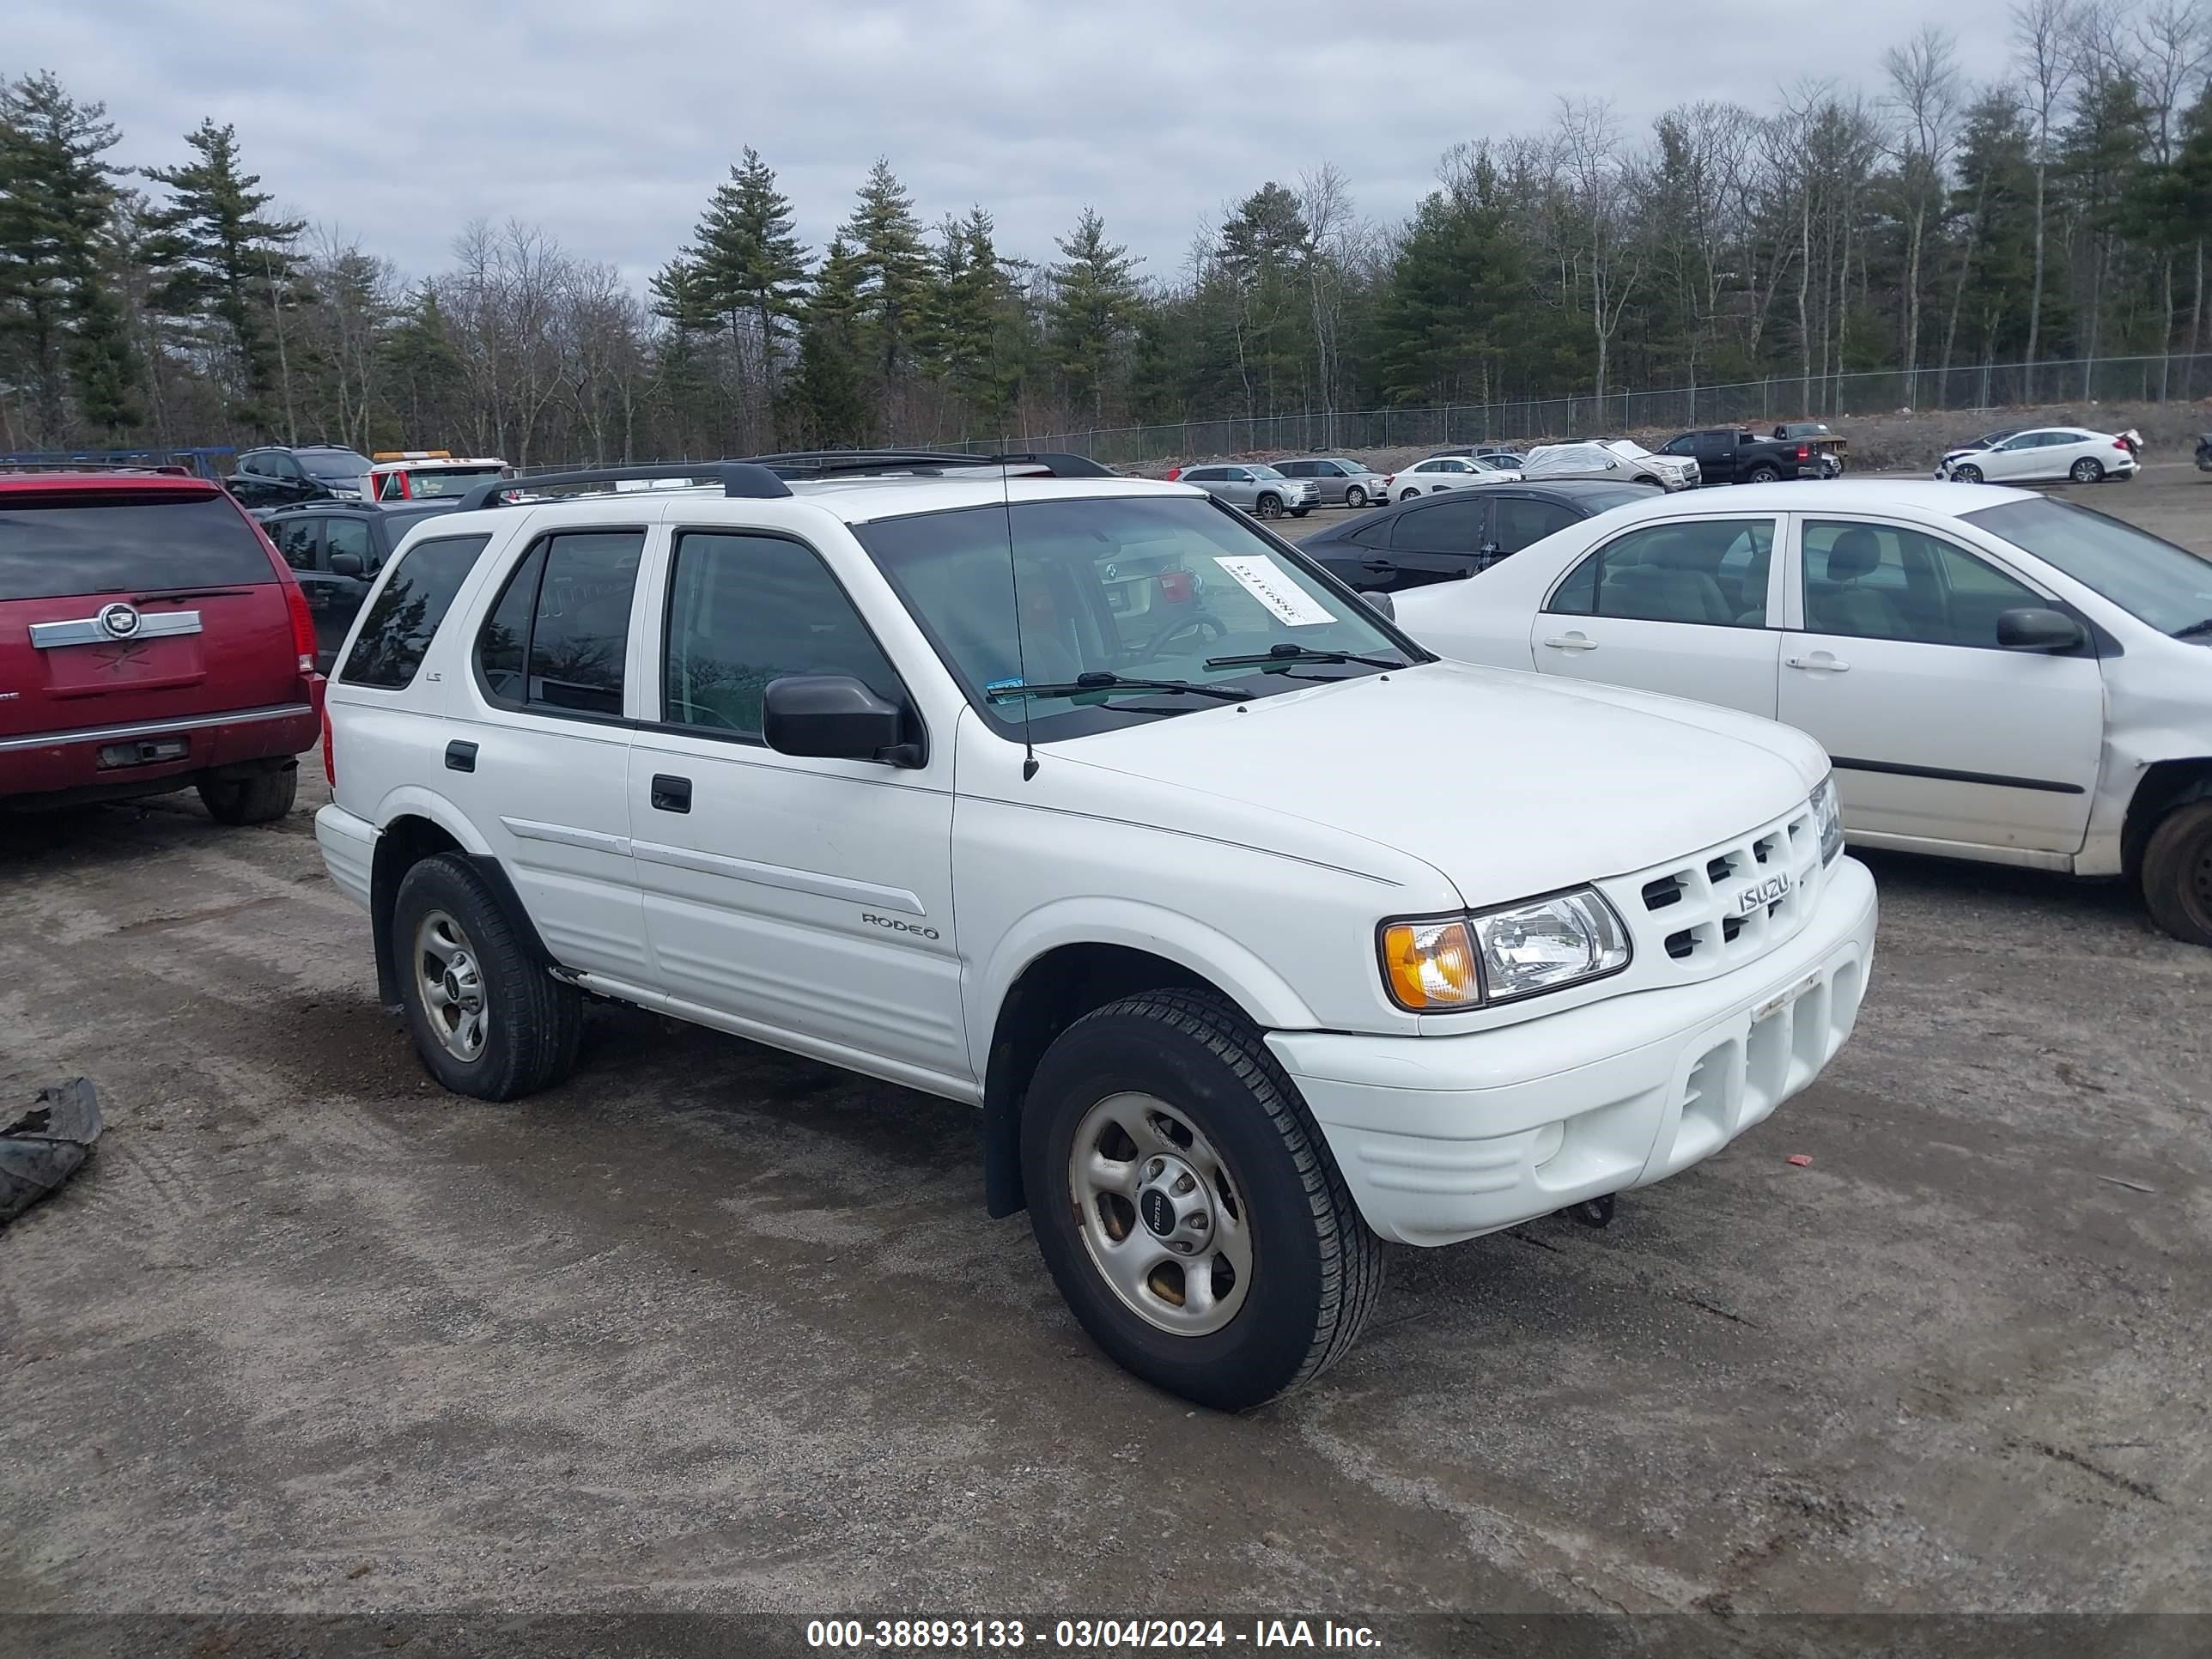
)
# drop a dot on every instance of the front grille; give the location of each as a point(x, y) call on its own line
point(1715, 910)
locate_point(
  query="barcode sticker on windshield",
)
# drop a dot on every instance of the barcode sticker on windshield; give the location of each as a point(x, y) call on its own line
point(1269, 583)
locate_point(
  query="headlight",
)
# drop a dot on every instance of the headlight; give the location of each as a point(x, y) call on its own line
point(1500, 956)
point(1828, 814)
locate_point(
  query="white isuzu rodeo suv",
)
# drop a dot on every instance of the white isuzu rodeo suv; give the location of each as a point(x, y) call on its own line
point(1260, 935)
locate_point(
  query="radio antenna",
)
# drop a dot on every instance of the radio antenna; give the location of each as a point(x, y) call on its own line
point(1014, 581)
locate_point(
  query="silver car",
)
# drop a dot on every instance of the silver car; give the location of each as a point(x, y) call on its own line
point(1260, 490)
point(1343, 482)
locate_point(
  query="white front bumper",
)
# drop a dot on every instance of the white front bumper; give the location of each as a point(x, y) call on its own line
point(1441, 1139)
point(349, 847)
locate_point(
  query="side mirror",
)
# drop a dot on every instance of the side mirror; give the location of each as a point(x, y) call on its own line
point(1382, 602)
point(2034, 628)
point(834, 717)
point(347, 564)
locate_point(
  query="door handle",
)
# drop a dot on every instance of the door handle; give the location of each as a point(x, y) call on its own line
point(1572, 642)
point(671, 795)
point(1379, 567)
point(1820, 662)
point(461, 757)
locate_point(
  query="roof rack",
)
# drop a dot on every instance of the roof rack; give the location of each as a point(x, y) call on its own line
point(10, 464)
point(745, 479)
point(823, 462)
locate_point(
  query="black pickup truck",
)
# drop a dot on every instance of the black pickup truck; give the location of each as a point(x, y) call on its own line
point(1735, 454)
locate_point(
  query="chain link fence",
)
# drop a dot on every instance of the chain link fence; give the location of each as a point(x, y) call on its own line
point(1748, 402)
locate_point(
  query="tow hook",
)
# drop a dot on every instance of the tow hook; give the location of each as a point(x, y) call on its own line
point(1591, 1212)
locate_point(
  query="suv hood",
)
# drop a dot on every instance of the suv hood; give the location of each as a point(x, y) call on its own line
point(1509, 784)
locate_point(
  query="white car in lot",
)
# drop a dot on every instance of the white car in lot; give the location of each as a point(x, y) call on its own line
point(1085, 800)
point(1441, 472)
point(2041, 454)
point(1622, 460)
point(1999, 676)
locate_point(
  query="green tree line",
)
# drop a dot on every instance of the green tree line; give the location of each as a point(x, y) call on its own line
point(1922, 222)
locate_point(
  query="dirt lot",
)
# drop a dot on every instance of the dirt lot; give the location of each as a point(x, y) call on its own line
point(709, 1328)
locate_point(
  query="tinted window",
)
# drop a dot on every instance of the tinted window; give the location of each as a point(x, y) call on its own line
point(1713, 572)
point(51, 546)
point(560, 633)
point(746, 609)
point(403, 617)
point(1452, 526)
point(2165, 586)
point(1517, 521)
point(349, 536)
point(1888, 582)
point(296, 540)
point(1298, 469)
point(334, 465)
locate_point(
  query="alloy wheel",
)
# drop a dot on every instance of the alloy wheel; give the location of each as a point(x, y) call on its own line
point(450, 981)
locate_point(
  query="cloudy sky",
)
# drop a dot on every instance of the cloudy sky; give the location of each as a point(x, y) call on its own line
point(610, 122)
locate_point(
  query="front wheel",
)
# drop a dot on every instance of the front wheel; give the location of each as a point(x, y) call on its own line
point(1267, 507)
point(1187, 1205)
point(2087, 470)
point(1300, 512)
point(2177, 873)
point(1966, 472)
point(1355, 497)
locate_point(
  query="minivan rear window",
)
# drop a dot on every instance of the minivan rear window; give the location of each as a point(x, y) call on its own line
point(53, 546)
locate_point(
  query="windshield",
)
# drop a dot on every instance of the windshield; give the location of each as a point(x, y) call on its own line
point(432, 482)
point(1145, 587)
point(2165, 586)
point(337, 466)
point(1625, 447)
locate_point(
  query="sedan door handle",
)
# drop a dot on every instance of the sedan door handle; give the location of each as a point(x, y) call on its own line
point(1820, 662)
point(1379, 567)
point(1572, 642)
point(671, 795)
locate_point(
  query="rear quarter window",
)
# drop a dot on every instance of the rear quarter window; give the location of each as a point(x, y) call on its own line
point(54, 546)
point(403, 617)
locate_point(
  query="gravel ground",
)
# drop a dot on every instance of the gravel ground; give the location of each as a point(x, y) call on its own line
point(712, 1328)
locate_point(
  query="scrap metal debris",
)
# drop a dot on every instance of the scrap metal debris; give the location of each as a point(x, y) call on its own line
point(44, 1147)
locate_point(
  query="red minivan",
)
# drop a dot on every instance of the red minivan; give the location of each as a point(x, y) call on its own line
point(151, 640)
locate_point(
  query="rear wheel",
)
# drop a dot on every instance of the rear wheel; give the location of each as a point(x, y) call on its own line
point(487, 1018)
point(1966, 472)
point(1187, 1205)
point(1355, 497)
point(1762, 474)
point(2087, 470)
point(2177, 873)
point(257, 798)
point(1267, 507)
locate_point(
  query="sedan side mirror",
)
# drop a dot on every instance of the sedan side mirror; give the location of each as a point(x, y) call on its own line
point(834, 717)
point(1382, 601)
point(347, 564)
point(2037, 627)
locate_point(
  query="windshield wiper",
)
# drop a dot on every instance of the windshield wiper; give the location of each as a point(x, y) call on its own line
point(1287, 654)
point(1100, 680)
point(2196, 630)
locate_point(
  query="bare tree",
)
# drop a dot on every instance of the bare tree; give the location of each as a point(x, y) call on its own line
point(2044, 35)
point(1924, 89)
point(1597, 177)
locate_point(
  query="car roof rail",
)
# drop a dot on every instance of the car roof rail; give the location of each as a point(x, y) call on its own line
point(827, 463)
point(744, 479)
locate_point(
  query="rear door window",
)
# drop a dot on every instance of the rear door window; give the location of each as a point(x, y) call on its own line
point(56, 544)
point(405, 616)
point(558, 638)
point(1517, 521)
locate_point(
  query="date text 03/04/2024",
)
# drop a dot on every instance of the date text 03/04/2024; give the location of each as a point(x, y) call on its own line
point(1078, 1635)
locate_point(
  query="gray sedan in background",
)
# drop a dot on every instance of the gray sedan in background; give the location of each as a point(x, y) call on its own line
point(1260, 490)
point(1343, 481)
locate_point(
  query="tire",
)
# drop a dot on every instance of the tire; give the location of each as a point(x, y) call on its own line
point(1355, 497)
point(2177, 873)
point(1762, 474)
point(1411, 494)
point(258, 798)
point(1966, 472)
point(529, 1023)
point(2087, 470)
point(1177, 1064)
point(1267, 507)
point(1300, 512)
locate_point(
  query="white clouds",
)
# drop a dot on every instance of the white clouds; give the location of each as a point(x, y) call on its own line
point(610, 123)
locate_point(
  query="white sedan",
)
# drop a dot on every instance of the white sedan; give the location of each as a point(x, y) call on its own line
point(1998, 675)
point(1622, 460)
point(2041, 453)
point(1446, 473)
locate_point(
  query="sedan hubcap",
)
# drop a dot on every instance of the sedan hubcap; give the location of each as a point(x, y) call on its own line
point(451, 983)
point(1161, 1217)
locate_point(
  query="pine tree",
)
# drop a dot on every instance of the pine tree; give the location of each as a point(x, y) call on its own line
point(227, 271)
point(749, 270)
point(422, 369)
point(825, 404)
point(56, 196)
point(1095, 304)
point(968, 321)
point(885, 241)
